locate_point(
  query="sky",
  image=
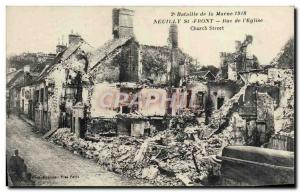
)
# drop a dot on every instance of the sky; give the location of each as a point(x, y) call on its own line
point(37, 29)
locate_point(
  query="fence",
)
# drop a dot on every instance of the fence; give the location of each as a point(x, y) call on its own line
point(282, 142)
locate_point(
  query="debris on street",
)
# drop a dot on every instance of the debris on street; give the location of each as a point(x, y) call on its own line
point(161, 160)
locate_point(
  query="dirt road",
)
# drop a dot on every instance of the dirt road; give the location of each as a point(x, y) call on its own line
point(52, 165)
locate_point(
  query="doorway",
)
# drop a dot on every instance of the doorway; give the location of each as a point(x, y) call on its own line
point(220, 102)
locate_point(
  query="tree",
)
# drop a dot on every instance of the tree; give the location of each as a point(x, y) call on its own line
point(286, 59)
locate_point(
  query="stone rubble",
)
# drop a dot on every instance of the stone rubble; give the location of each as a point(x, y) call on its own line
point(163, 160)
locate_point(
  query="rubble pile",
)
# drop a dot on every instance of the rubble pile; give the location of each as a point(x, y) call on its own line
point(165, 159)
point(284, 119)
point(226, 109)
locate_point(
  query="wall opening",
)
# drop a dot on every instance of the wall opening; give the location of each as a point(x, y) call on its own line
point(220, 102)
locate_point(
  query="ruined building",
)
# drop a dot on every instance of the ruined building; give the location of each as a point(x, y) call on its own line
point(123, 65)
point(251, 113)
point(146, 88)
point(66, 92)
point(57, 88)
point(232, 64)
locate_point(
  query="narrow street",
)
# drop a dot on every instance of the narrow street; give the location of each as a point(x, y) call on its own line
point(62, 167)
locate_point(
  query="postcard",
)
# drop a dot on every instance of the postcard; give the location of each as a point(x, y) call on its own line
point(150, 96)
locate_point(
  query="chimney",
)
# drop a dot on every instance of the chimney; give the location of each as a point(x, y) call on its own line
point(224, 65)
point(173, 36)
point(122, 23)
point(223, 57)
point(60, 48)
point(175, 68)
point(74, 38)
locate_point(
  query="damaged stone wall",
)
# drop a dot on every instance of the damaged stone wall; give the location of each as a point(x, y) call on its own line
point(269, 114)
point(128, 63)
point(108, 70)
point(236, 129)
point(222, 89)
point(259, 77)
point(156, 62)
point(198, 97)
point(284, 114)
point(61, 76)
point(265, 114)
point(239, 61)
point(119, 65)
point(284, 126)
point(232, 71)
point(56, 78)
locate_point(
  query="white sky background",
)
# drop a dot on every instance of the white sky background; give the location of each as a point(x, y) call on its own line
point(34, 29)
